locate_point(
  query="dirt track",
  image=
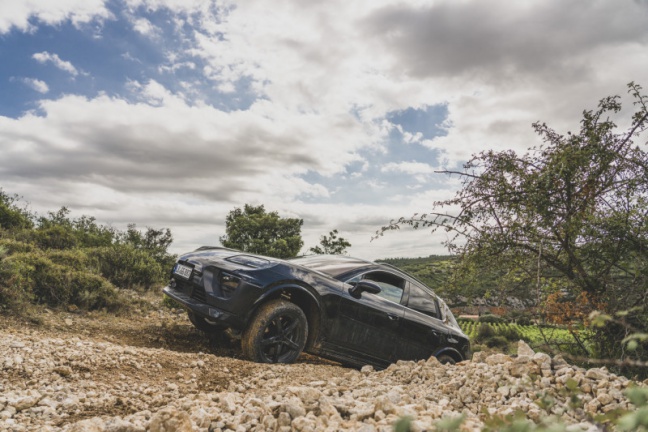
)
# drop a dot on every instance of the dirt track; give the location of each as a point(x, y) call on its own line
point(155, 372)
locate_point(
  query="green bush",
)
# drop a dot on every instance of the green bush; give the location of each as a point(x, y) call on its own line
point(32, 277)
point(94, 292)
point(55, 237)
point(127, 267)
point(10, 246)
point(484, 332)
point(519, 317)
point(15, 289)
point(11, 215)
point(75, 259)
point(509, 333)
point(496, 342)
point(490, 318)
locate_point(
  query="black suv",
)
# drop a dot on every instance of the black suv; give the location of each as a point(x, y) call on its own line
point(346, 309)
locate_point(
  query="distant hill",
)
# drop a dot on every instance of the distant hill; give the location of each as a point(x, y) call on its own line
point(434, 270)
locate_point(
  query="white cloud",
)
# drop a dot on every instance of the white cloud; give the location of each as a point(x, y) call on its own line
point(44, 57)
point(36, 84)
point(146, 28)
point(322, 76)
point(408, 168)
point(164, 145)
point(21, 14)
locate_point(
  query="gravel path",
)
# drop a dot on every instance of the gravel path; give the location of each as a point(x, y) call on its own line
point(68, 375)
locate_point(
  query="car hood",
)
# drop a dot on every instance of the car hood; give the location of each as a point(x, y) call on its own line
point(228, 258)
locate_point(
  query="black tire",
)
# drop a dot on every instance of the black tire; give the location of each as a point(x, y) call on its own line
point(205, 325)
point(446, 359)
point(276, 334)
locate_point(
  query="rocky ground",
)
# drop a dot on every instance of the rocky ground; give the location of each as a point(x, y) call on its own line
point(154, 372)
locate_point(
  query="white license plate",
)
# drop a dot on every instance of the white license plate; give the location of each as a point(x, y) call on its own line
point(183, 270)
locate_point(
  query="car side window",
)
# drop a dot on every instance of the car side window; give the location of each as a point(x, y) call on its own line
point(391, 286)
point(423, 301)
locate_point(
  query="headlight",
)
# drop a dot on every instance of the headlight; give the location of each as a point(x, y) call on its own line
point(228, 283)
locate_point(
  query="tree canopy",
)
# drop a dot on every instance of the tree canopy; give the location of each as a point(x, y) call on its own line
point(569, 216)
point(331, 245)
point(254, 230)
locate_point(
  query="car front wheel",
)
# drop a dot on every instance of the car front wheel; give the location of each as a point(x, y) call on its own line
point(276, 334)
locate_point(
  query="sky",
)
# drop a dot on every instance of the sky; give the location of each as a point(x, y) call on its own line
point(171, 113)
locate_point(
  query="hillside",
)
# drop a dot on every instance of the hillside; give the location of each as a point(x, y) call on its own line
point(154, 372)
point(434, 270)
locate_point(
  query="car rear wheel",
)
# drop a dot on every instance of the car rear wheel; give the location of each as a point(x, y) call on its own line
point(276, 334)
point(204, 324)
point(446, 359)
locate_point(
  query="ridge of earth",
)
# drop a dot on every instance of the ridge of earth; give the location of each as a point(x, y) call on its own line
point(154, 372)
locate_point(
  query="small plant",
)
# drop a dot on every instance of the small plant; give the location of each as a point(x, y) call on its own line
point(490, 318)
point(169, 303)
point(496, 342)
point(484, 331)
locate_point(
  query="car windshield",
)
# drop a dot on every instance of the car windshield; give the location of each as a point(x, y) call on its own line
point(333, 266)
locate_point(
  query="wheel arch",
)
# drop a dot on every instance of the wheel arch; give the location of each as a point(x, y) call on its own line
point(301, 295)
point(455, 354)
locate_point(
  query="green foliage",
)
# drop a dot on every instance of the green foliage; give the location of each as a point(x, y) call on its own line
point(254, 230)
point(11, 215)
point(547, 338)
point(484, 331)
point(510, 333)
point(11, 246)
point(169, 303)
point(496, 342)
point(55, 237)
point(403, 424)
point(638, 419)
point(568, 216)
point(435, 271)
point(58, 231)
point(32, 277)
point(332, 245)
point(59, 260)
point(127, 267)
point(490, 318)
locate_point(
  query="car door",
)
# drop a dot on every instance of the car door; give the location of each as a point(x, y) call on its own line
point(422, 330)
point(368, 326)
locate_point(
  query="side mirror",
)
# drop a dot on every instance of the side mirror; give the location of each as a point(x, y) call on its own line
point(364, 286)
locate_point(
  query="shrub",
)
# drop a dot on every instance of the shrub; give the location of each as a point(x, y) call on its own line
point(484, 332)
point(75, 259)
point(55, 237)
point(127, 267)
point(32, 277)
point(94, 292)
point(12, 216)
point(509, 333)
point(490, 318)
point(10, 246)
point(496, 342)
point(519, 317)
point(15, 292)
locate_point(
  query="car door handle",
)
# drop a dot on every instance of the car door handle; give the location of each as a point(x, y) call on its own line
point(392, 317)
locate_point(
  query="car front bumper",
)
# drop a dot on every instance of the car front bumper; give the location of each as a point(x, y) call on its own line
point(201, 309)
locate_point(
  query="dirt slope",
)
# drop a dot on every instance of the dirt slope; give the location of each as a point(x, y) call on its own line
point(154, 372)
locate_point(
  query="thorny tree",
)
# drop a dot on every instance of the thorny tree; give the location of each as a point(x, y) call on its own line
point(569, 216)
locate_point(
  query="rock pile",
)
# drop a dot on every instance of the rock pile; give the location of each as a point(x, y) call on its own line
point(74, 384)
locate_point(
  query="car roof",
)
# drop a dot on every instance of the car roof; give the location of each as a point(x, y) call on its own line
point(332, 265)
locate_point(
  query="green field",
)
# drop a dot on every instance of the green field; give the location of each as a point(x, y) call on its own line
point(545, 337)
